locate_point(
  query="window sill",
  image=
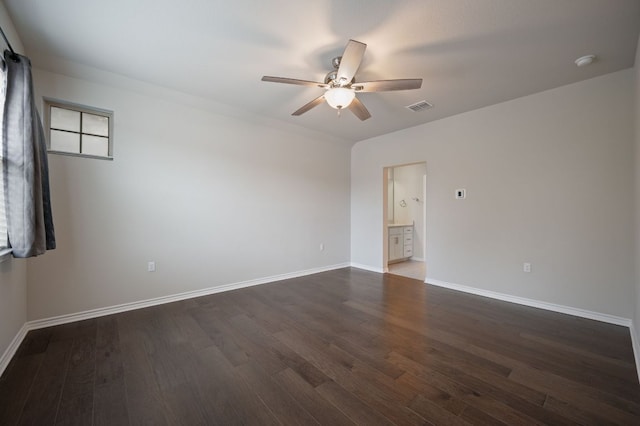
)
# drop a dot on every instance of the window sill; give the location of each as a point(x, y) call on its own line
point(73, 154)
point(5, 254)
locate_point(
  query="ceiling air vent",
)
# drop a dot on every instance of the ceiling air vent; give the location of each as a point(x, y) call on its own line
point(420, 106)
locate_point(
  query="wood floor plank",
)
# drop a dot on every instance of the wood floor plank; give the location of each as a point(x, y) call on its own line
point(213, 322)
point(359, 412)
point(184, 406)
point(222, 391)
point(145, 403)
point(266, 345)
point(249, 407)
point(284, 406)
point(514, 347)
point(108, 357)
point(44, 398)
point(16, 385)
point(35, 342)
point(435, 414)
point(310, 399)
point(480, 401)
point(339, 366)
point(76, 403)
point(110, 402)
point(590, 399)
point(480, 418)
point(337, 348)
point(575, 414)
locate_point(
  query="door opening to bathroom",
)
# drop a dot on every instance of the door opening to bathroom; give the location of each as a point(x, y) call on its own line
point(405, 220)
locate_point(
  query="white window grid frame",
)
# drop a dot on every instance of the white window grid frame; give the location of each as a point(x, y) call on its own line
point(51, 102)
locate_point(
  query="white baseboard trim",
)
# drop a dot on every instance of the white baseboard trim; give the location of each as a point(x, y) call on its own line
point(8, 354)
point(583, 313)
point(100, 312)
point(95, 313)
point(109, 310)
point(368, 268)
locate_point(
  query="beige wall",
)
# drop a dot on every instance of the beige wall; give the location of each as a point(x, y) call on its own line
point(549, 180)
point(212, 199)
point(13, 278)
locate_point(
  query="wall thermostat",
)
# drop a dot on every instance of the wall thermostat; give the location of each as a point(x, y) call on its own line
point(460, 194)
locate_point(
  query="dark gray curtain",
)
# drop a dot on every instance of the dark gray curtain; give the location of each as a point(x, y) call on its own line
point(26, 171)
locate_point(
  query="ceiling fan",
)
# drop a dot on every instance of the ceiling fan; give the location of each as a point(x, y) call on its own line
point(341, 86)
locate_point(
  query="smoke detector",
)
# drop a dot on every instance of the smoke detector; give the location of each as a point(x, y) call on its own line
point(583, 61)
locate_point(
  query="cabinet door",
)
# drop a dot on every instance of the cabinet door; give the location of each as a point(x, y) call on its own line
point(396, 247)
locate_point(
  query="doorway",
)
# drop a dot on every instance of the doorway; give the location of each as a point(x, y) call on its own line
point(405, 220)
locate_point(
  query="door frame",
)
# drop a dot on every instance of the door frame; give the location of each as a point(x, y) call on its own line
point(385, 210)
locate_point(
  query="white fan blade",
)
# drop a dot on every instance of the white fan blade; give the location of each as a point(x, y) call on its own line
point(350, 62)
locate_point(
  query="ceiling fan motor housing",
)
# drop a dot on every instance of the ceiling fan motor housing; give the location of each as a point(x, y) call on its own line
point(330, 78)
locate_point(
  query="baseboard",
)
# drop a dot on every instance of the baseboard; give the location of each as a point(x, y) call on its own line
point(13, 347)
point(95, 313)
point(368, 268)
point(583, 313)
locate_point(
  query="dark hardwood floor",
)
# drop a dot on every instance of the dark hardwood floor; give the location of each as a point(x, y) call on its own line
point(341, 347)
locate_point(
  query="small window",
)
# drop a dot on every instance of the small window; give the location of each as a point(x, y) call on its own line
point(78, 130)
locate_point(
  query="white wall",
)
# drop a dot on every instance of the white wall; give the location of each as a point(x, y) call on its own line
point(13, 278)
point(214, 200)
point(549, 180)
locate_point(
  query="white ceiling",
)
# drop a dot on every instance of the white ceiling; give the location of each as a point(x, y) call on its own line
point(470, 53)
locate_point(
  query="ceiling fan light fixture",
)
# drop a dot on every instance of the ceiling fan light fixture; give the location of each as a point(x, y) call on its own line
point(339, 97)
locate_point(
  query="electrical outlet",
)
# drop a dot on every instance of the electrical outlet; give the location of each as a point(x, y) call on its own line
point(151, 266)
point(526, 267)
